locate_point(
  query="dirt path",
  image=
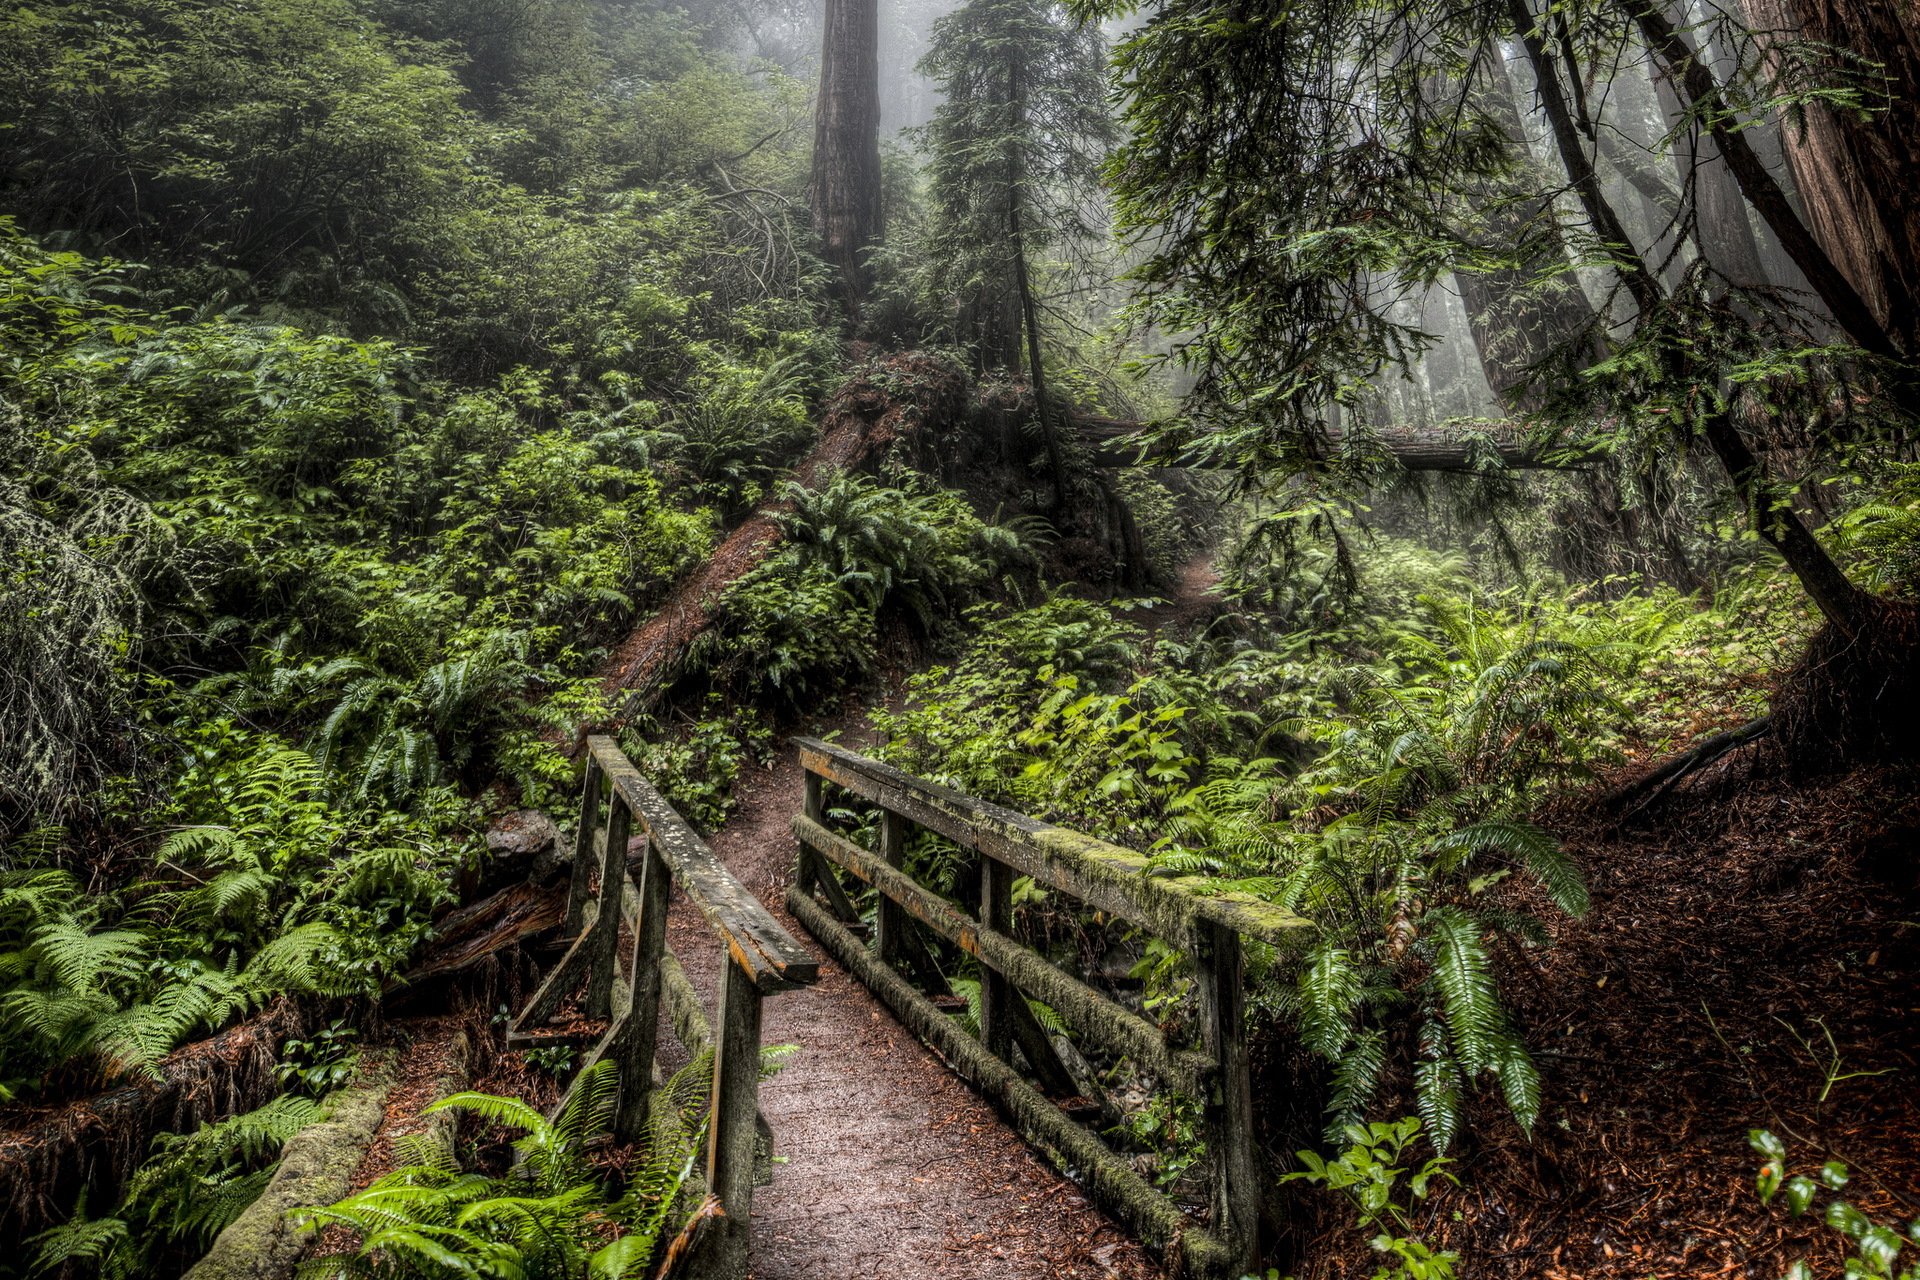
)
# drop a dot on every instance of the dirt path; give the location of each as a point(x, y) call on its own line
point(892, 1167)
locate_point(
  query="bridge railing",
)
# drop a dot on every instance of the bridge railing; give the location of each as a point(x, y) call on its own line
point(758, 958)
point(1210, 928)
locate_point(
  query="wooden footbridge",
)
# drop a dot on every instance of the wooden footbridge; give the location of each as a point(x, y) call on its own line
point(899, 937)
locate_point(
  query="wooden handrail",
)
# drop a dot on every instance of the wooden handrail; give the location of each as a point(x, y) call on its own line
point(1208, 926)
point(1108, 877)
point(759, 958)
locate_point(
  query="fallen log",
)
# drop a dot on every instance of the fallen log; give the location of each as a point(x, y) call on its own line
point(886, 401)
point(48, 1156)
point(1118, 442)
point(1656, 782)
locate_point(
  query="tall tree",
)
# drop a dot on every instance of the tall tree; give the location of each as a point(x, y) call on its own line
point(845, 192)
point(1016, 150)
point(1857, 162)
point(1288, 178)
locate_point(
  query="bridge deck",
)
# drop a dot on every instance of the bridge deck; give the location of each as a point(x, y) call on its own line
point(893, 1167)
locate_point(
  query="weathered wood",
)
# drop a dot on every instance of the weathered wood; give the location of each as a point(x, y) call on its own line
point(757, 942)
point(1037, 1047)
point(1219, 978)
point(889, 926)
point(1110, 1180)
point(1105, 876)
point(579, 888)
point(635, 1048)
point(806, 871)
point(996, 916)
point(1107, 1023)
point(736, 1103)
point(603, 939)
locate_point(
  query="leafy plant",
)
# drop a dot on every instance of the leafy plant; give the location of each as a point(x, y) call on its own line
point(1875, 1248)
point(188, 1191)
point(321, 1063)
point(552, 1216)
point(1369, 1174)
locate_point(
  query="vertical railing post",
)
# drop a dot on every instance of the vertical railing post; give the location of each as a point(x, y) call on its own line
point(736, 1101)
point(996, 993)
point(1219, 964)
point(578, 888)
point(639, 1039)
point(890, 923)
point(813, 805)
point(604, 943)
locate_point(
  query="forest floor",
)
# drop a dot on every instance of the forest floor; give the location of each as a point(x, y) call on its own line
point(1751, 960)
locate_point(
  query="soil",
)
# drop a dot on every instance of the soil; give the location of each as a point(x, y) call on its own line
point(1732, 933)
point(890, 1166)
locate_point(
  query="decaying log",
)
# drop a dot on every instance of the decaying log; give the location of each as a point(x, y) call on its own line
point(1116, 442)
point(316, 1169)
point(47, 1156)
point(1654, 783)
point(885, 402)
point(479, 929)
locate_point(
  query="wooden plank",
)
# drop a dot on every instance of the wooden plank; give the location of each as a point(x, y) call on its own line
point(736, 1103)
point(639, 1039)
point(756, 941)
point(1220, 979)
point(996, 916)
point(578, 886)
point(603, 939)
point(889, 926)
point(1105, 876)
point(1101, 1020)
point(1111, 1180)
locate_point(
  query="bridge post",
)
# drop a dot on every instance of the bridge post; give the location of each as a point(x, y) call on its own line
point(890, 924)
point(996, 993)
point(604, 942)
point(577, 885)
point(640, 1033)
point(732, 1131)
point(1220, 972)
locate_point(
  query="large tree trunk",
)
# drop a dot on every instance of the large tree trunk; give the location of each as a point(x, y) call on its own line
point(1859, 180)
point(1023, 285)
point(844, 194)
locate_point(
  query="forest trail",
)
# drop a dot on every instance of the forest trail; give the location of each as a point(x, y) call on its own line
point(892, 1166)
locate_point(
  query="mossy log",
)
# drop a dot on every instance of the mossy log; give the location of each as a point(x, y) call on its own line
point(885, 402)
point(316, 1168)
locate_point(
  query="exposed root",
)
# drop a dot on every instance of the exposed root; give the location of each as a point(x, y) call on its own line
point(46, 1158)
point(1853, 699)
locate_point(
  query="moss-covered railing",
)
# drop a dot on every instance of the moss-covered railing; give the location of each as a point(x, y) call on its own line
point(1209, 927)
point(759, 958)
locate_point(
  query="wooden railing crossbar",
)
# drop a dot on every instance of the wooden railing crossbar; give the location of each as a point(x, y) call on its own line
point(759, 958)
point(1210, 928)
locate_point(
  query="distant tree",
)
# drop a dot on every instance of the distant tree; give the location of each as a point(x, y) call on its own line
point(1016, 150)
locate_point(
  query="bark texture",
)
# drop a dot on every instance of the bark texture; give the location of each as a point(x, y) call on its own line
point(844, 194)
point(1859, 180)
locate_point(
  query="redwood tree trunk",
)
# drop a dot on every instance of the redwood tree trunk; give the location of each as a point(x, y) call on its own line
point(844, 194)
point(1859, 180)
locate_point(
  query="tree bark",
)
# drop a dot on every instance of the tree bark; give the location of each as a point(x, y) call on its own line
point(1849, 310)
point(1721, 230)
point(1029, 310)
point(1859, 180)
point(844, 193)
